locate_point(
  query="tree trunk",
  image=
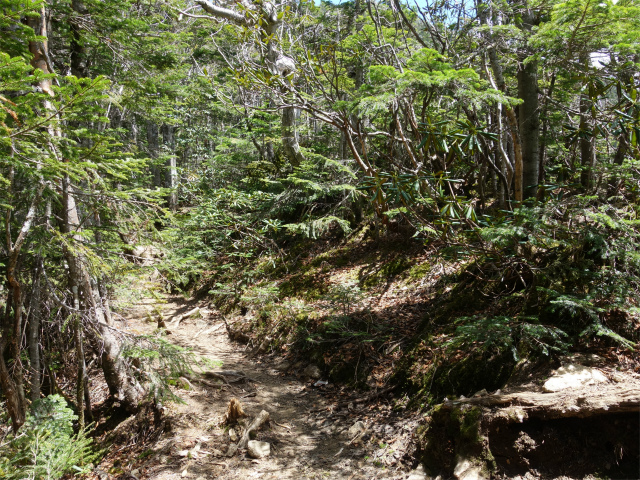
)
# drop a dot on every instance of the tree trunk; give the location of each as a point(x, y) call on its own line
point(121, 383)
point(12, 321)
point(153, 146)
point(529, 111)
point(529, 127)
point(34, 336)
point(15, 405)
point(290, 137)
point(545, 128)
point(587, 137)
point(82, 372)
point(501, 85)
point(78, 51)
point(171, 171)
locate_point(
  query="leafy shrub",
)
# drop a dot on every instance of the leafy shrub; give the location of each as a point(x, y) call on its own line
point(499, 334)
point(46, 447)
point(578, 262)
point(159, 364)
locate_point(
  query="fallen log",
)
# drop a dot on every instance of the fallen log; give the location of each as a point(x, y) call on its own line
point(582, 403)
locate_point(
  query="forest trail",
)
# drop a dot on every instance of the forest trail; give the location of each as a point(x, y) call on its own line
point(309, 437)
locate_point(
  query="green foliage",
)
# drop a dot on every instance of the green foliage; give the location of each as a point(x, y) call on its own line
point(318, 227)
point(585, 271)
point(159, 364)
point(494, 335)
point(45, 447)
point(343, 296)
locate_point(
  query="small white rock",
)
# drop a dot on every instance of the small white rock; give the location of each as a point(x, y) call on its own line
point(573, 376)
point(466, 470)
point(256, 449)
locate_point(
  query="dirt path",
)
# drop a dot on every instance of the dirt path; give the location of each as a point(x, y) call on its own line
point(309, 438)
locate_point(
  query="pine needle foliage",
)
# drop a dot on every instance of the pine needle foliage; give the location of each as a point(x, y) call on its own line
point(46, 447)
point(159, 364)
point(494, 335)
point(578, 263)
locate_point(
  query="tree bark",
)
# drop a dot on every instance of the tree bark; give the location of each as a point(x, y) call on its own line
point(12, 383)
point(529, 127)
point(153, 142)
point(34, 336)
point(587, 136)
point(82, 371)
point(529, 111)
point(121, 383)
point(501, 85)
point(78, 50)
point(171, 171)
point(290, 137)
point(545, 128)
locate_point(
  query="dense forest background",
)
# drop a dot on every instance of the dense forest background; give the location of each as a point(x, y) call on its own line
point(503, 138)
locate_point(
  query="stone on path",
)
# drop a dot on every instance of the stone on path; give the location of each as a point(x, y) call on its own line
point(417, 474)
point(356, 429)
point(312, 371)
point(282, 365)
point(256, 449)
point(466, 470)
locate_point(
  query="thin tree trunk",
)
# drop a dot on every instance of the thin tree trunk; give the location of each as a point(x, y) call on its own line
point(15, 403)
point(529, 127)
point(545, 127)
point(587, 137)
point(121, 384)
point(171, 172)
point(12, 383)
point(153, 146)
point(78, 50)
point(34, 336)
point(290, 137)
point(82, 374)
point(501, 85)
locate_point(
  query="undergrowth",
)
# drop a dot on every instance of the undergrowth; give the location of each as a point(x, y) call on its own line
point(542, 281)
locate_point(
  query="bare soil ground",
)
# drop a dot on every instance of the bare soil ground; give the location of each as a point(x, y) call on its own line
point(313, 430)
point(320, 430)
